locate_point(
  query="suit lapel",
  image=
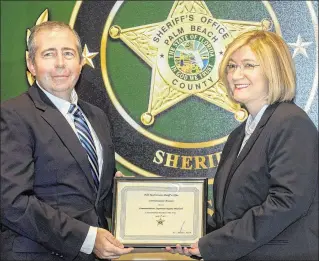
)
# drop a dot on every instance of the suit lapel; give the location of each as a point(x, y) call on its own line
point(250, 143)
point(233, 144)
point(62, 128)
point(229, 155)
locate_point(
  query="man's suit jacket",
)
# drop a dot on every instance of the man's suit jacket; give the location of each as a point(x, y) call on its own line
point(48, 197)
point(266, 198)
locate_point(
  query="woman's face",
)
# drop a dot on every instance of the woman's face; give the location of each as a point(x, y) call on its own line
point(246, 79)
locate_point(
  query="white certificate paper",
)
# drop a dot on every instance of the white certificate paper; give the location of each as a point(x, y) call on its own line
point(159, 212)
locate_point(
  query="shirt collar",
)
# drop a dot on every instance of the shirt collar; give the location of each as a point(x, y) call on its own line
point(251, 122)
point(62, 105)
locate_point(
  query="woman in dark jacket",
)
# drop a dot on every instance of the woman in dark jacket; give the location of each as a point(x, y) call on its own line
point(266, 186)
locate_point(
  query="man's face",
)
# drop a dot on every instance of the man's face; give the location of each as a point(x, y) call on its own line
point(57, 65)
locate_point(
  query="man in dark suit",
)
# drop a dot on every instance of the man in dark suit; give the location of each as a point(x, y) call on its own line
point(57, 160)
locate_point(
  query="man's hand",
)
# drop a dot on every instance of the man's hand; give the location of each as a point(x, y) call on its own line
point(119, 174)
point(106, 246)
point(193, 250)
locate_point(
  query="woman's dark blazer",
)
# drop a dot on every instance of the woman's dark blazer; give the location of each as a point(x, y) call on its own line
point(266, 198)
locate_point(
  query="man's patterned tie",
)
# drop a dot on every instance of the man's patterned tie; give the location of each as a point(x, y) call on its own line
point(86, 140)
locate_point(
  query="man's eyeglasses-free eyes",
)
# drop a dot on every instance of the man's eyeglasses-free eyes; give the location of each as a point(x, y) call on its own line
point(246, 67)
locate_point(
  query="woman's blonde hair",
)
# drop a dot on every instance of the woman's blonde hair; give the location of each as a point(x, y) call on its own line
point(274, 58)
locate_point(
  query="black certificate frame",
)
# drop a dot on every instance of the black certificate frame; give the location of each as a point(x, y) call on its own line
point(138, 184)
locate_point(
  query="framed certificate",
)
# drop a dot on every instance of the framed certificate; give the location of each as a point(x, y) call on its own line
point(159, 212)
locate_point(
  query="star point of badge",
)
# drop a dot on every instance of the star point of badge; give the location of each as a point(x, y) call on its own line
point(300, 47)
point(184, 52)
point(88, 56)
point(210, 211)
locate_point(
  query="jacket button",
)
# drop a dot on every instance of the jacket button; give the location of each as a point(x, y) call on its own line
point(52, 253)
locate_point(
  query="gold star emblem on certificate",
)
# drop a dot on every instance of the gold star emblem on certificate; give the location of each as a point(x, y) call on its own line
point(160, 221)
point(184, 52)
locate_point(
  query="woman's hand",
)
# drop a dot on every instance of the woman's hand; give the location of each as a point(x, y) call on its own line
point(192, 251)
